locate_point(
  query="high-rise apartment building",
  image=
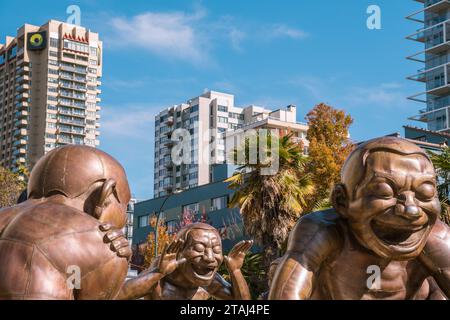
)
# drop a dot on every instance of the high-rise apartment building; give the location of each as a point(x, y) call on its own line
point(49, 91)
point(208, 119)
point(434, 35)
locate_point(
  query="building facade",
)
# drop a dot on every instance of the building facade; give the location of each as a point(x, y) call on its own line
point(49, 91)
point(208, 119)
point(434, 36)
point(128, 229)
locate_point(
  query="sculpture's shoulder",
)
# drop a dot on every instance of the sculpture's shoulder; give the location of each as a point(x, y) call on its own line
point(64, 235)
point(439, 239)
point(318, 230)
point(35, 221)
point(6, 216)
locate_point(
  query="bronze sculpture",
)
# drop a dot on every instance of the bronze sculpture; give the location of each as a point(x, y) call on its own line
point(270, 274)
point(64, 241)
point(187, 269)
point(382, 240)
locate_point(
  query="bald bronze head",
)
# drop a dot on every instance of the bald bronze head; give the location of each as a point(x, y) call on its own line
point(86, 176)
point(388, 196)
point(203, 253)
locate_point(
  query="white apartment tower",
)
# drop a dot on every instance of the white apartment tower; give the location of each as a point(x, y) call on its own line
point(49, 91)
point(212, 114)
point(433, 33)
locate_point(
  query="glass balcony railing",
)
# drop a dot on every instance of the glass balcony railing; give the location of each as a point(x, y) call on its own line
point(429, 3)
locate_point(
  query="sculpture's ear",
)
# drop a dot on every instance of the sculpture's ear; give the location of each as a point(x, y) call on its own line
point(339, 199)
point(105, 191)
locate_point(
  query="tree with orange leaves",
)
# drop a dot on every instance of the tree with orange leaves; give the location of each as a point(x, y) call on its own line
point(164, 238)
point(329, 146)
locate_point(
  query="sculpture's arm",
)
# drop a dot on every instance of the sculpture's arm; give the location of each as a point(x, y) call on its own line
point(141, 286)
point(310, 244)
point(436, 256)
point(238, 289)
point(222, 290)
point(165, 264)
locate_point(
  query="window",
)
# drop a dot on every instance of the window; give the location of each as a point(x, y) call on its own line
point(222, 108)
point(222, 120)
point(143, 221)
point(194, 108)
point(193, 208)
point(54, 42)
point(76, 46)
point(93, 51)
point(172, 226)
point(219, 203)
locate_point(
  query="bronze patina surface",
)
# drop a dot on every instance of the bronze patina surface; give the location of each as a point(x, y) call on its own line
point(382, 240)
point(187, 269)
point(76, 206)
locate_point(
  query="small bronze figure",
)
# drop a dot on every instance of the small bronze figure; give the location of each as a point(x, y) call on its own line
point(64, 241)
point(382, 240)
point(187, 269)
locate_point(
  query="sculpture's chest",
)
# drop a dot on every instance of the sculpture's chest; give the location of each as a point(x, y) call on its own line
point(360, 276)
point(168, 291)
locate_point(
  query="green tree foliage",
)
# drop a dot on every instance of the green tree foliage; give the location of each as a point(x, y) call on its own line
point(270, 205)
point(441, 162)
point(11, 185)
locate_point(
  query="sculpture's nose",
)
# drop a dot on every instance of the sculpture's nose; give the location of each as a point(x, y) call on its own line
point(407, 207)
point(208, 256)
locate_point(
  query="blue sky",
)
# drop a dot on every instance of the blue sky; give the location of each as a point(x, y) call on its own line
point(271, 53)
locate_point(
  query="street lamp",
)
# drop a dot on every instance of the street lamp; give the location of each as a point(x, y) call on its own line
point(159, 219)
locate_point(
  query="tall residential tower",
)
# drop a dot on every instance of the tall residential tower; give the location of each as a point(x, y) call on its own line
point(49, 91)
point(209, 119)
point(434, 35)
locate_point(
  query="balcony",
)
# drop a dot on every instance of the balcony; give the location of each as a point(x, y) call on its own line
point(20, 132)
point(74, 69)
point(431, 6)
point(21, 114)
point(21, 124)
point(71, 122)
point(168, 163)
point(169, 121)
point(20, 142)
point(73, 87)
point(80, 114)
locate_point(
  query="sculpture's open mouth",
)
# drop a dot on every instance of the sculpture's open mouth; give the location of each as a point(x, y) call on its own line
point(399, 236)
point(204, 272)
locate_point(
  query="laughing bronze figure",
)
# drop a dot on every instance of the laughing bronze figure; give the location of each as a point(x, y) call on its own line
point(188, 269)
point(382, 240)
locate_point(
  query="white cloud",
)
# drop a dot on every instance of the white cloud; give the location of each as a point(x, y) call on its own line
point(128, 122)
point(335, 90)
point(165, 34)
point(190, 36)
point(236, 37)
point(282, 30)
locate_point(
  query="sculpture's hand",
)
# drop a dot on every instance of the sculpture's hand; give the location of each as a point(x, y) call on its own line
point(168, 262)
point(117, 241)
point(235, 258)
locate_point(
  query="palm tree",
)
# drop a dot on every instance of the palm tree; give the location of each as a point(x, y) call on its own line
point(441, 162)
point(270, 205)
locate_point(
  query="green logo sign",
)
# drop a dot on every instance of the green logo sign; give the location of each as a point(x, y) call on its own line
point(37, 40)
